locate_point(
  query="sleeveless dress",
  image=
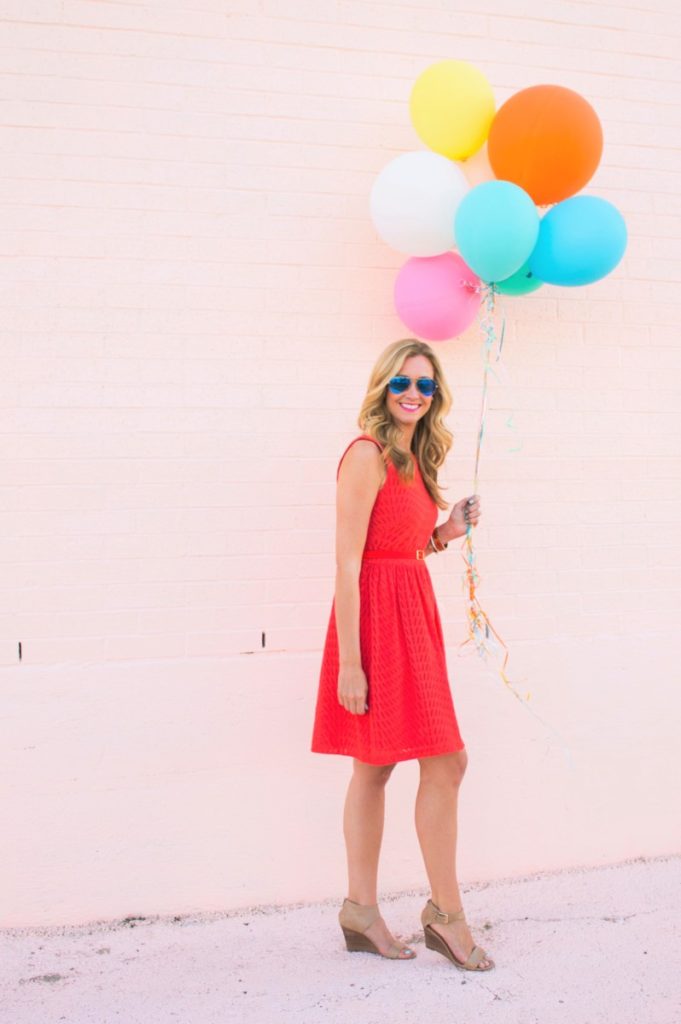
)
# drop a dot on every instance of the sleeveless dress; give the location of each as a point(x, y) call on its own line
point(410, 707)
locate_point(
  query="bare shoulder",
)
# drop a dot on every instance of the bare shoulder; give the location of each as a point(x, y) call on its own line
point(363, 449)
point(363, 463)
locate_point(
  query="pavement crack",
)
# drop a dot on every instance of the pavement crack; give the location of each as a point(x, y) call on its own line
point(50, 978)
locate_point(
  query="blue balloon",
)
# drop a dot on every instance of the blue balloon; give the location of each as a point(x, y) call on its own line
point(496, 226)
point(580, 240)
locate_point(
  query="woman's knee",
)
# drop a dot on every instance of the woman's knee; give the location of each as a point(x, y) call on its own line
point(378, 774)
point(445, 769)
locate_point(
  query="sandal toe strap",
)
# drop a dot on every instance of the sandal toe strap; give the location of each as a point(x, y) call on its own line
point(475, 956)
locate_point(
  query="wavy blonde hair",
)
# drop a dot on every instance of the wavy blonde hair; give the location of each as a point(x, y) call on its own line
point(432, 440)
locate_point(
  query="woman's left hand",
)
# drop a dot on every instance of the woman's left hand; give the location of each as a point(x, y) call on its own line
point(464, 512)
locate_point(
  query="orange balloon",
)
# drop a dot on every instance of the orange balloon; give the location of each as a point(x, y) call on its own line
point(548, 140)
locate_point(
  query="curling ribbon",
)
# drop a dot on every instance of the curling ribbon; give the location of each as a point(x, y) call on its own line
point(481, 632)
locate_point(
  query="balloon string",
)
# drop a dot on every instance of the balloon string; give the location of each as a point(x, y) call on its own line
point(481, 632)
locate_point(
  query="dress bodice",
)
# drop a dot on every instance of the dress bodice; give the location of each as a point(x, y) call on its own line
point(404, 514)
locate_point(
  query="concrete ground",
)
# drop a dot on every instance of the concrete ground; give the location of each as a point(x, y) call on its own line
point(577, 947)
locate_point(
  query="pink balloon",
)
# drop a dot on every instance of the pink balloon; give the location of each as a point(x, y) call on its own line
point(436, 297)
point(478, 168)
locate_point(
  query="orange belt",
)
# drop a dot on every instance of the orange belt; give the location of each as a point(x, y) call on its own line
point(419, 554)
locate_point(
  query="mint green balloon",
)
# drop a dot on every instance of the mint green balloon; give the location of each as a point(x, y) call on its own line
point(496, 228)
point(521, 283)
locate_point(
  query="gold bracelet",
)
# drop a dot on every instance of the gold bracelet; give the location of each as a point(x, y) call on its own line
point(437, 540)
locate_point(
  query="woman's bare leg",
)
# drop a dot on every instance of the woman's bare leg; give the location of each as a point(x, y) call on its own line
point(436, 827)
point(363, 819)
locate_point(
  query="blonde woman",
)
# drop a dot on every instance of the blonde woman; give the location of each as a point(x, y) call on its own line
point(384, 694)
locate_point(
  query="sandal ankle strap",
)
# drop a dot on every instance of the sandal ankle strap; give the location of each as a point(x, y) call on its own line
point(442, 918)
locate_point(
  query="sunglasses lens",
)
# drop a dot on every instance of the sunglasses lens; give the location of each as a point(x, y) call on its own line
point(398, 384)
point(426, 386)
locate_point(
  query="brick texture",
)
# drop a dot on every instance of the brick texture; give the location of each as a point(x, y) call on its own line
point(193, 294)
point(192, 297)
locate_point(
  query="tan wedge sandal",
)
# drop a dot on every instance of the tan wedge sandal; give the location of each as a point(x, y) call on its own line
point(432, 914)
point(354, 919)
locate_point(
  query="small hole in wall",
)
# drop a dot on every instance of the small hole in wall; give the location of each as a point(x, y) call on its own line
point(263, 639)
point(20, 650)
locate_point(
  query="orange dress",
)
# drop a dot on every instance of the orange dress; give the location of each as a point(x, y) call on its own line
point(411, 711)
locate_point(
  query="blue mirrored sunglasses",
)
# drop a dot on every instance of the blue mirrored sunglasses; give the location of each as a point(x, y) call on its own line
point(426, 385)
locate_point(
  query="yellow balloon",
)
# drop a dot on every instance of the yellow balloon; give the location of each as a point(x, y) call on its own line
point(452, 108)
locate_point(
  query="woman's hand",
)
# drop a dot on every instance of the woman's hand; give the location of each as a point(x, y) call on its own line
point(353, 689)
point(464, 512)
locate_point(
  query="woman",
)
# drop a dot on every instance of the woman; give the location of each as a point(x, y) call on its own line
point(384, 694)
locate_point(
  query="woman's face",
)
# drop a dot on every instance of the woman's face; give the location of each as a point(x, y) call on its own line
point(411, 405)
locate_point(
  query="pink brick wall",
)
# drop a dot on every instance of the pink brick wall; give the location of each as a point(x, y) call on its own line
point(192, 298)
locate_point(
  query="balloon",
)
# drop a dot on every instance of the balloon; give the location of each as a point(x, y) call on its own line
point(496, 227)
point(548, 140)
point(436, 297)
point(521, 283)
point(580, 240)
point(414, 200)
point(452, 106)
point(478, 168)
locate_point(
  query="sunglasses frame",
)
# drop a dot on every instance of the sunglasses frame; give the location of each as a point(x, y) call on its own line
point(416, 380)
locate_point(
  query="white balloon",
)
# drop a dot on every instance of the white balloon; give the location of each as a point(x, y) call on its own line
point(414, 201)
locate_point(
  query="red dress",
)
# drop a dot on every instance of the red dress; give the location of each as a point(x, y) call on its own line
point(411, 712)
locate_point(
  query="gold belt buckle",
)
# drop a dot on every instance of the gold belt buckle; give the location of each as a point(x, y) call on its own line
point(420, 553)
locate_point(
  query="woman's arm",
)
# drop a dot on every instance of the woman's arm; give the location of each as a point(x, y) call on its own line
point(361, 473)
